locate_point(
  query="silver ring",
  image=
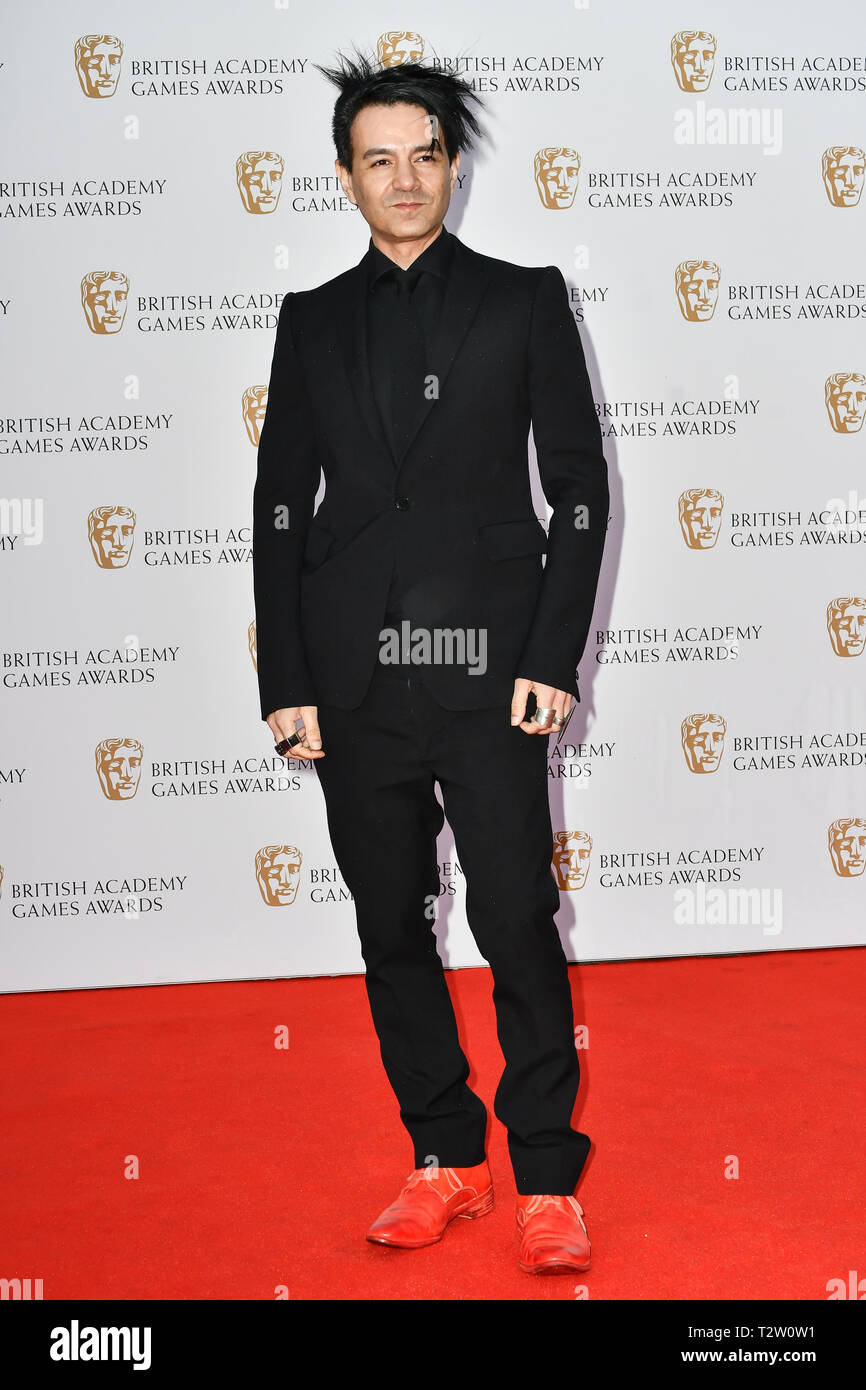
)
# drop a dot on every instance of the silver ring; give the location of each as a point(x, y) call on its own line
point(546, 715)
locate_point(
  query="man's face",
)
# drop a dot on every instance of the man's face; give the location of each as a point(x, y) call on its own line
point(120, 772)
point(113, 539)
point(401, 187)
point(848, 404)
point(705, 744)
point(282, 875)
point(845, 179)
point(560, 180)
point(849, 851)
point(695, 62)
point(850, 629)
point(700, 290)
point(263, 183)
point(702, 521)
point(107, 303)
point(101, 69)
point(571, 862)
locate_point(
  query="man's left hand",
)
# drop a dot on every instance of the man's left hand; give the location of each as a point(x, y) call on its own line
point(560, 701)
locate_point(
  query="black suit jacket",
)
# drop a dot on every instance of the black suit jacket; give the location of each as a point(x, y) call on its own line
point(455, 510)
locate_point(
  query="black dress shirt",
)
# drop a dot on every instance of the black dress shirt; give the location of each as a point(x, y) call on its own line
point(426, 279)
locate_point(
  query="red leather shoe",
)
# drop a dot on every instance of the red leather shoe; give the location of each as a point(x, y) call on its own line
point(430, 1199)
point(553, 1236)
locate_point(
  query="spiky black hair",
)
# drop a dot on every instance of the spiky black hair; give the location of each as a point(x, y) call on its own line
point(362, 82)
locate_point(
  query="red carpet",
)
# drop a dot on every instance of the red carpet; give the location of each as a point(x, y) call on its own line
point(262, 1167)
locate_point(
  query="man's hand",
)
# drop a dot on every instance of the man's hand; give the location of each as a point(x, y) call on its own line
point(545, 698)
point(282, 725)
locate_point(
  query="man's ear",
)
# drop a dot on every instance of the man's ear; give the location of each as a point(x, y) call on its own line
point(346, 181)
point(455, 168)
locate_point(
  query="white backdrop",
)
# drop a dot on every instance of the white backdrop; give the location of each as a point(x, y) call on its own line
point(167, 176)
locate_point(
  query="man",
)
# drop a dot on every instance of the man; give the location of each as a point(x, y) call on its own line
point(412, 631)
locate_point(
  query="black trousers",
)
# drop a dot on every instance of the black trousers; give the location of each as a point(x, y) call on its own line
point(381, 762)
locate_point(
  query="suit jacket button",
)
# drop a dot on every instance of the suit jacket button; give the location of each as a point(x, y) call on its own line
point(401, 504)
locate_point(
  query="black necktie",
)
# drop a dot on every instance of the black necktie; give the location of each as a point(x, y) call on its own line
point(408, 364)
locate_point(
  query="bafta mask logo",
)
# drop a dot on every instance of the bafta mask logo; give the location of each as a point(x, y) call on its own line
point(97, 62)
point(398, 46)
point(693, 55)
point(846, 624)
point(253, 644)
point(847, 843)
point(845, 399)
point(556, 171)
point(700, 513)
point(278, 872)
point(571, 850)
point(842, 168)
point(703, 737)
point(697, 284)
point(103, 296)
point(118, 767)
point(260, 179)
point(254, 405)
point(111, 531)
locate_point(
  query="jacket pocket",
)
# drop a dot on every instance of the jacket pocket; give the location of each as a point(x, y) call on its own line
point(504, 540)
point(317, 545)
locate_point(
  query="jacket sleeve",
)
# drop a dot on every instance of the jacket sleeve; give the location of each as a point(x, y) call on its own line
point(287, 480)
point(573, 471)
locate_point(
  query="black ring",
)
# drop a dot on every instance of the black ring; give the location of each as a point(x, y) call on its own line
point(286, 743)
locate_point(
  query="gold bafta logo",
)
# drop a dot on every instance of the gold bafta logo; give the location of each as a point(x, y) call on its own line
point(845, 399)
point(556, 171)
point(253, 644)
point(255, 401)
point(398, 46)
point(571, 849)
point(846, 624)
point(847, 843)
point(703, 738)
point(1, 880)
point(260, 179)
point(842, 168)
point(111, 532)
point(278, 873)
point(97, 62)
point(118, 767)
point(700, 513)
point(693, 55)
point(103, 296)
point(697, 284)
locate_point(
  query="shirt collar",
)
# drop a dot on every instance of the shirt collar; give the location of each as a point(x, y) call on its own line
point(436, 258)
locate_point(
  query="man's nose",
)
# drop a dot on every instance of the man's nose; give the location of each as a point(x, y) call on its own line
point(406, 175)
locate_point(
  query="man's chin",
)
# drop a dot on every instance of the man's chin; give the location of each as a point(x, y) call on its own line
point(416, 222)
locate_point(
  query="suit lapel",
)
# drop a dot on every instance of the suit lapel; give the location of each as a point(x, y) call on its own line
point(353, 343)
point(467, 283)
point(466, 286)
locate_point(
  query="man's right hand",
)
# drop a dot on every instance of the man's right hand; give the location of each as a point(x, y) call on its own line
point(282, 725)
